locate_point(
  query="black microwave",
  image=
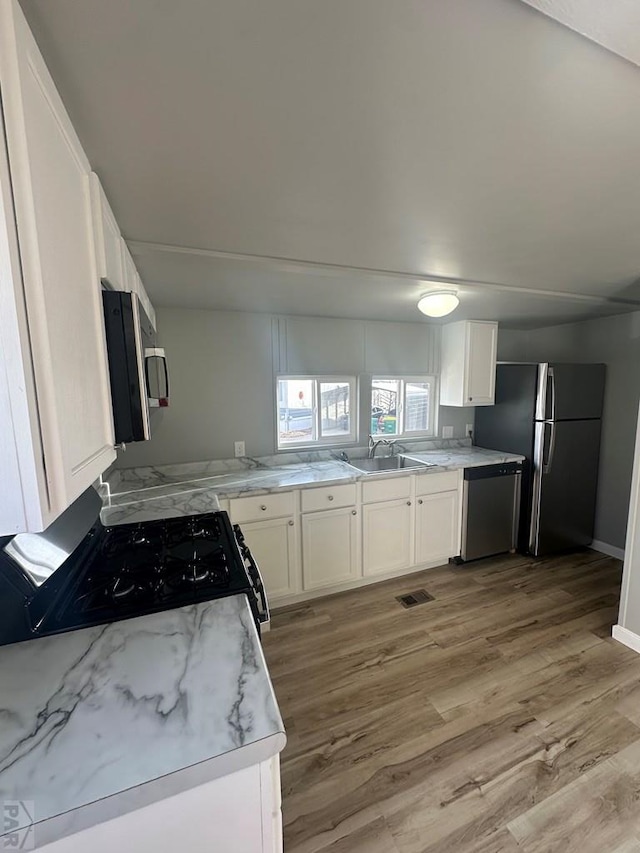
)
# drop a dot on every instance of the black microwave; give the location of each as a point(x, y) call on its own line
point(137, 366)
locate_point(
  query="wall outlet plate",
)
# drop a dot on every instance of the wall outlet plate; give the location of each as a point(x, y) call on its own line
point(468, 430)
point(238, 448)
point(447, 432)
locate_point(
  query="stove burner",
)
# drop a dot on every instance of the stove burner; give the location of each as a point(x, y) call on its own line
point(196, 573)
point(125, 587)
point(142, 568)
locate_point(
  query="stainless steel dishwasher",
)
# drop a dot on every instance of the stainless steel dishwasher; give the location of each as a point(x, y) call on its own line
point(490, 510)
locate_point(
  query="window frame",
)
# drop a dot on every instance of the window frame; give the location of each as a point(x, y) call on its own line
point(404, 379)
point(320, 441)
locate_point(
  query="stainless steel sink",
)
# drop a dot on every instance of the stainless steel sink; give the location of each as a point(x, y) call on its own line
point(387, 463)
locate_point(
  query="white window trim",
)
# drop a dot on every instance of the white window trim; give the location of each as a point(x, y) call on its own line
point(320, 440)
point(431, 378)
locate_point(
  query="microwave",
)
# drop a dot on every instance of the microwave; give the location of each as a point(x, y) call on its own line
point(137, 367)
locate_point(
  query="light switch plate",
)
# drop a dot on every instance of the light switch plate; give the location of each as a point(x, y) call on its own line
point(447, 432)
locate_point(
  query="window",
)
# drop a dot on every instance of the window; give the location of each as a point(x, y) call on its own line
point(316, 410)
point(403, 406)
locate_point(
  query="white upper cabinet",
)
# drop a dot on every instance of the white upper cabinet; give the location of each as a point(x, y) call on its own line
point(107, 238)
point(133, 282)
point(468, 368)
point(150, 311)
point(55, 402)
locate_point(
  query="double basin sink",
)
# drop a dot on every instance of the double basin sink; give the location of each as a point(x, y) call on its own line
point(379, 464)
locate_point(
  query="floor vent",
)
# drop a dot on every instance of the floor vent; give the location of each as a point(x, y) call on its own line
point(412, 599)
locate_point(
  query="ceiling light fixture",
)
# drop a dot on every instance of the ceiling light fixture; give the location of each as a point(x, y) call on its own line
point(438, 303)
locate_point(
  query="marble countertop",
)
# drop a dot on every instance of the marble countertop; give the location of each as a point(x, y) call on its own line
point(100, 721)
point(140, 500)
point(465, 457)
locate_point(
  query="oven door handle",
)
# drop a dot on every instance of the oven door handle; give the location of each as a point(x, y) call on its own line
point(253, 572)
point(258, 585)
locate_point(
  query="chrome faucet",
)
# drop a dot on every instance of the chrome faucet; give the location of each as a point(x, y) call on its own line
point(374, 444)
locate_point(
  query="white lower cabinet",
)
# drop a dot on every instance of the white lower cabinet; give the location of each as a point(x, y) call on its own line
point(387, 536)
point(437, 527)
point(330, 547)
point(238, 813)
point(274, 545)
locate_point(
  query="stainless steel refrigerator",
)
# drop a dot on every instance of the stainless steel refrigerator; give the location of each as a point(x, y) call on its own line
point(551, 414)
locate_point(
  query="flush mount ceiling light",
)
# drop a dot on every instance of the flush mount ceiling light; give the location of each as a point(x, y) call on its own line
point(438, 303)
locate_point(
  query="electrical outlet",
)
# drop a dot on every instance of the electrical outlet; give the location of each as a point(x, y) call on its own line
point(447, 432)
point(469, 430)
point(239, 448)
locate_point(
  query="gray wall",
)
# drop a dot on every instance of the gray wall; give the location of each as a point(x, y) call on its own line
point(222, 369)
point(616, 342)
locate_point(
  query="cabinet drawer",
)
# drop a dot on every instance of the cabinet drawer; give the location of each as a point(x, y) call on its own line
point(328, 497)
point(386, 490)
point(431, 484)
point(262, 506)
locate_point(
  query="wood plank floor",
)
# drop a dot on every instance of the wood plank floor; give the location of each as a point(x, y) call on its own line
point(499, 717)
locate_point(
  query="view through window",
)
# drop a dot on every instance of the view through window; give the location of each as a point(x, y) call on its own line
point(315, 409)
point(402, 406)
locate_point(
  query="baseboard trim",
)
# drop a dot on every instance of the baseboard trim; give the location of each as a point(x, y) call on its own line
point(626, 637)
point(363, 580)
point(609, 550)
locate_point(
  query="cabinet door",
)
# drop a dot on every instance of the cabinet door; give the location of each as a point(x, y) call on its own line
point(482, 345)
point(437, 527)
point(50, 181)
point(387, 536)
point(274, 546)
point(130, 271)
point(107, 238)
point(330, 547)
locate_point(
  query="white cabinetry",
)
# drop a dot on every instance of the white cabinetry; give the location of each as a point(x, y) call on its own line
point(437, 527)
point(107, 238)
point(133, 282)
point(438, 532)
point(387, 535)
point(270, 528)
point(468, 369)
point(387, 525)
point(55, 403)
point(238, 813)
point(330, 536)
point(330, 547)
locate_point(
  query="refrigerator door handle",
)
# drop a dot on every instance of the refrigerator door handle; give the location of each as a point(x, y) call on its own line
point(546, 466)
point(552, 384)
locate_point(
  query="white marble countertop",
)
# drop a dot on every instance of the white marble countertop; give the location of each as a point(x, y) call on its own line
point(465, 457)
point(100, 721)
point(144, 501)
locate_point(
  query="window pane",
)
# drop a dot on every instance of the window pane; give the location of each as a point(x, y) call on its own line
point(417, 406)
point(296, 422)
point(335, 409)
point(384, 406)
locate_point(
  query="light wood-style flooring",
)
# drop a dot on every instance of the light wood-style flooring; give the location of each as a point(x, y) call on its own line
point(499, 717)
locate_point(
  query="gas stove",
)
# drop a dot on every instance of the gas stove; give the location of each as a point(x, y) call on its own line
point(135, 569)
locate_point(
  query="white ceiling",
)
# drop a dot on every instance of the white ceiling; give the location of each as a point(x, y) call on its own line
point(467, 140)
point(614, 24)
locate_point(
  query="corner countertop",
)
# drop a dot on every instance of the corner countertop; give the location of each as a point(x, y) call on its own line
point(100, 721)
point(465, 457)
point(156, 494)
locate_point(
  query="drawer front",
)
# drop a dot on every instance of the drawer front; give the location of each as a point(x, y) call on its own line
point(262, 506)
point(431, 484)
point(328, 497)
point(386, 490)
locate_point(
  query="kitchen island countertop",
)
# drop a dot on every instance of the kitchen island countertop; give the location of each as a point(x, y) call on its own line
point(100, 721)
